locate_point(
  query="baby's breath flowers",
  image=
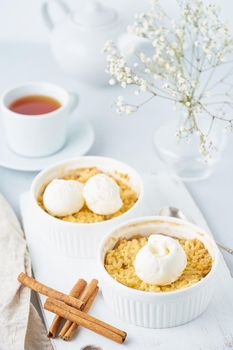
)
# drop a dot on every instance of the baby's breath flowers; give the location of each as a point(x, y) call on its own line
point(189, 62)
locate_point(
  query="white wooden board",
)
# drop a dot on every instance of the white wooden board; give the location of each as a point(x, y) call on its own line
point(213, 330)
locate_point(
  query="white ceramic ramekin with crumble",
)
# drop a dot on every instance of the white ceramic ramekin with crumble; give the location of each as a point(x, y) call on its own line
point(75, 239)
point(158, 309)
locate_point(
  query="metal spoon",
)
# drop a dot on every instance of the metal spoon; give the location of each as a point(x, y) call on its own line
point(177, 213)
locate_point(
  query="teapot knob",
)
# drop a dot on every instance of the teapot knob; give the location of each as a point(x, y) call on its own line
point(95, 14)
point(94, 6)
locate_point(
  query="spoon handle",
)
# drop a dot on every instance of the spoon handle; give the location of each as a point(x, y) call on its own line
point(177, 213)
point(227, 249)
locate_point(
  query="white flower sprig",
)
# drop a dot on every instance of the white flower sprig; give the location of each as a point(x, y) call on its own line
point(183, 66)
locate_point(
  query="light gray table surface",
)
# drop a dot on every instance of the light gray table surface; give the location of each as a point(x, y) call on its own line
point(126, 138)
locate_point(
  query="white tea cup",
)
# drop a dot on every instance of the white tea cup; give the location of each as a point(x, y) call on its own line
point(42, 134)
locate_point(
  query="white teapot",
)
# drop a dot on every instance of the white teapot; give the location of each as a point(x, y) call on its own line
point(77, 40)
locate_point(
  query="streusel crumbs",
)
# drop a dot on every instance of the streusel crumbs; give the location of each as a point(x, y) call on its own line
point(85, 215)
point(119, 262)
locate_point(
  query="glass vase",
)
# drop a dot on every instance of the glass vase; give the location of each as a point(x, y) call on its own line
point(183, 155)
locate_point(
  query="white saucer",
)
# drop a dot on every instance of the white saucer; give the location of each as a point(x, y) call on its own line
point(80, 140)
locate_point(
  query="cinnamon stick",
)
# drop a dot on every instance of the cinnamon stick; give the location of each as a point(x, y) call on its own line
point(87, 293)
point(54, 327)
point(83, 319)
point(49, 292)
point(71, 328)
point(75, 292)
point(89, 290)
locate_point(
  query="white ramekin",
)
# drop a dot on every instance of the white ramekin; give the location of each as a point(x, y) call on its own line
point(78, 239)
point(163, 309)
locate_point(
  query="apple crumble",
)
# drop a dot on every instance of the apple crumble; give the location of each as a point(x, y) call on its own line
point(119, 262)
point(85, 215)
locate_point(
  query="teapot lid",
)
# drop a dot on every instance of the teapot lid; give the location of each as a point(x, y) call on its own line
point(95, 14)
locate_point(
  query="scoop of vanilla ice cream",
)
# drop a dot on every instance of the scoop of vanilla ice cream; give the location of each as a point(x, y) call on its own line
point(102, 195)
point(63, 197)
point(161, 261)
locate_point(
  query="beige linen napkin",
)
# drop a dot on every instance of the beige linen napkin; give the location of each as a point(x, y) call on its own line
point(21, 328)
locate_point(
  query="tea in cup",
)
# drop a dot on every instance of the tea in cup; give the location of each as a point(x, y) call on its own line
point(36, 117)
